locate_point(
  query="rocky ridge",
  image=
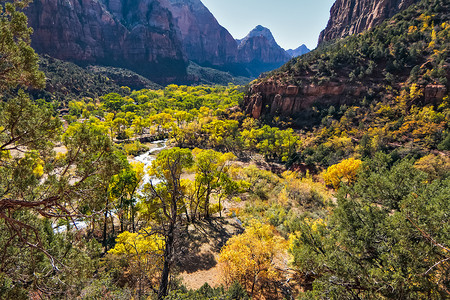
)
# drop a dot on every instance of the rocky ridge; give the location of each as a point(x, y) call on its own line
point(275, 97)
point(203, 39)
point(259, 51)
point(154, 38)
point(135, 35)
point(347, 72)
point(298, 51)
point(348, 17)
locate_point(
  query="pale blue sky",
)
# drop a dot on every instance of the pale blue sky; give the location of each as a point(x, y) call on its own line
point(292, 22)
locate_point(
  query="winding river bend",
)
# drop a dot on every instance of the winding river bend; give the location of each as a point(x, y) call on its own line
point(146, 159)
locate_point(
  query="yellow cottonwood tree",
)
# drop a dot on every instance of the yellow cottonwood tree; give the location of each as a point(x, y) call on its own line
point(211, 178)
point(249, 258)
point(144, 254)
point(345, 171)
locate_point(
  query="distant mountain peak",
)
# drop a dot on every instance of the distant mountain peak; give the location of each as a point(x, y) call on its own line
point(259, 48)
point(298, 51)
point(260, 31)
point(260, 28)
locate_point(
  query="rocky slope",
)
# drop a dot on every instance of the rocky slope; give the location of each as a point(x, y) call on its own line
point(67, 81)
point(260, 52)
point(374, 66)
point(204, 40)
point(274, 97)
point(260, 45)
point(154, 38)
point(137, 35)
point(348, 17)
point(298, 51)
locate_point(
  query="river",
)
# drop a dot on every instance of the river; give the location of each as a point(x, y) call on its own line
point(146, 159)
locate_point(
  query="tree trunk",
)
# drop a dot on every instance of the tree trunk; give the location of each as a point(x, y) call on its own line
point(187, 214)
point(140, 286)
point(167, 259)
point(112, 223)
point(133, 228)
point(208, 193)
point(122, 216)
point(105, 225)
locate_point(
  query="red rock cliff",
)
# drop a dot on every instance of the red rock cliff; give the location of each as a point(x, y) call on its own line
point(259, 51)
point(139, 35)
point(348, 17)
point(204, 40)
point(273, 97)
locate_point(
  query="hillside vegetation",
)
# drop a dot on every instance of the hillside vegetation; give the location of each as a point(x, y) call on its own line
point(67, 81)
point(402, 68)
point(412, 47)
point(352, 206)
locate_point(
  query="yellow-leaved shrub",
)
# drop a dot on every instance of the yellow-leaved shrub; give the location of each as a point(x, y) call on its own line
point(249, 258)
point(345, 171)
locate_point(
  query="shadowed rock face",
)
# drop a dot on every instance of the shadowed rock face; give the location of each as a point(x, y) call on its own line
point(259, 52)
point(258, 49)
point(154, 38)
point(259, 45)
point(139, 35)
point(348, 17)
point(204, 40)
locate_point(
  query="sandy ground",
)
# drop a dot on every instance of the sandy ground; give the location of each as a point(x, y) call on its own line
point(201, 251)
point(210, 274)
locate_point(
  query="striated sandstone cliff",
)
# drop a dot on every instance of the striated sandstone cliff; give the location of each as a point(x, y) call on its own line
point(276, 96)
point(139, 35)
point(273, 97)
point(204, 40)
point(154, 38)
point(348, 17)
